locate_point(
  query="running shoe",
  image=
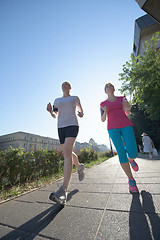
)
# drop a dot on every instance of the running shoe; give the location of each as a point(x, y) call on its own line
point(60, 196)
point(132, 186)
point(134, 165)
point(81, 172)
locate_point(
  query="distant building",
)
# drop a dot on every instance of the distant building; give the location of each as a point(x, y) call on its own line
point(144, 29)
point(97, 147)
point(28, 141)
point(92, 144)
point(78, 146)
point(152, 7)
point(102, 148)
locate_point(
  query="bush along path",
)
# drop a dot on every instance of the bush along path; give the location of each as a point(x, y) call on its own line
point(22, 171)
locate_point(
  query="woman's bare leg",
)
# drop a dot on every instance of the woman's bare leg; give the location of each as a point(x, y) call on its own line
point(67, 150)
point(127, 169)
point(75, 160)
point(131, 159)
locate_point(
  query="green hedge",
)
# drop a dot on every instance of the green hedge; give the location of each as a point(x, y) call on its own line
point(17, 166)
point(108, 154)
point(86, 155)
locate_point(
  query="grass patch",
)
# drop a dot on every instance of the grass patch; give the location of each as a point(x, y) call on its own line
point(10, 192)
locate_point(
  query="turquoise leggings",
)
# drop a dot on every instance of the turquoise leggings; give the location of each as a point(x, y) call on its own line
point(124, 142)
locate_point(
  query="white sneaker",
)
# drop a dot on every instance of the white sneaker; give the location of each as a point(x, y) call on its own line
point(60, 196)
point(81, 172)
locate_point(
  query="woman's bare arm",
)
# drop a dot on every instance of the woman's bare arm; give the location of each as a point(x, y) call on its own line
point(104, 114)
point(126, 107)
point(49, 109)
point(80, 110)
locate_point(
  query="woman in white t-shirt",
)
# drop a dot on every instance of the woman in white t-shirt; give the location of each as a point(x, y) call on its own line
point(67, 130)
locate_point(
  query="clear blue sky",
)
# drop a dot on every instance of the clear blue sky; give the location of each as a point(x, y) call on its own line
point(46, 42)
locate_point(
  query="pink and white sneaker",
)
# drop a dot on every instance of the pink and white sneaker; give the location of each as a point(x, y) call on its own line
point(132, 186)
point(134, 165)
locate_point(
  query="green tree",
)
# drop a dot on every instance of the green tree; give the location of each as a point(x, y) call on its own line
point(142, 123)
point(141, 77)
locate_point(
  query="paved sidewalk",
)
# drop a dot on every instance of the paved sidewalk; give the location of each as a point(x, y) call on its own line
point(99, 207)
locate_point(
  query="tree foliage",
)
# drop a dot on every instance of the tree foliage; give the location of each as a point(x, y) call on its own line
point(142, 123)
point(141, 77)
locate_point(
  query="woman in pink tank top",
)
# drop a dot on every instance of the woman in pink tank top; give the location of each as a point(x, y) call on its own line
point(116, 110)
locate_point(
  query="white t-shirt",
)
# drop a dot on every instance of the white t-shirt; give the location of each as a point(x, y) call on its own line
point(67, 111)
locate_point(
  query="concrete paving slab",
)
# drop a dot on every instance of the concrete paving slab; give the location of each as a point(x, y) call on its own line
point(152, 188)
point(125, 202)
point(99, 180)
point(115, 226)
point(142, 202)
point(151, 180)
point(26, 215)
point(36, 197)
point(80, 186)
point(98, 188)
point(101, 176)
point(42, 195)
point(90, 200)
point(102, 169)
point(29, 222)
point(121, 180)
point(51, 187)
point(120, 188)
point(7, 233)
point(123, 226)
point(73, 223)
point(38, 238)
point(148, 174)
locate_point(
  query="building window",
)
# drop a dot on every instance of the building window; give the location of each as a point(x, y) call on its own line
point(134, 47)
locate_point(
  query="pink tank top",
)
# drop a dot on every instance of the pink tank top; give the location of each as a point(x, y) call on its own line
point(115, 114)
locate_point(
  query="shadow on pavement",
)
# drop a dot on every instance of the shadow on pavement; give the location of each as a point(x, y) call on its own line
point(30, 229)
point(140, 228)
point(146, 157)
point(70, 194)
point(149, 209)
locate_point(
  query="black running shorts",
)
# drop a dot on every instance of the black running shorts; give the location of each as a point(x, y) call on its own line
point(65, 132)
